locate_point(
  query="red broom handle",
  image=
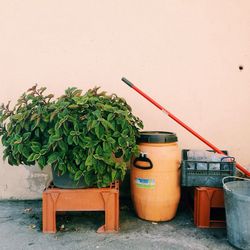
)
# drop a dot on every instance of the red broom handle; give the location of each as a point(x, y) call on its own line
point(130, 84)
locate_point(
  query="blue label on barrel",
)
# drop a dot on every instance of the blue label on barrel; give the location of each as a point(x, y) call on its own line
point(145, 183)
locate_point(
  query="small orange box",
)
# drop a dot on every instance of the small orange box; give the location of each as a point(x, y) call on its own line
point(90, 199)
point(209, 211)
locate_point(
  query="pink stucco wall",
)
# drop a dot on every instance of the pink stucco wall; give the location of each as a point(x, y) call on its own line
point(185, 54)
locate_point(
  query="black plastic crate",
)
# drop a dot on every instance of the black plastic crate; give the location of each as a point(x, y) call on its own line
point(191, 176)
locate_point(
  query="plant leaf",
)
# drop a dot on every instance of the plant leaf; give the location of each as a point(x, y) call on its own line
point(42, 161)
point(33, 157)
point(63, 146)
point(70, 139)
point(122, 142)
point(89, 160)
point(78, 175)
point(26, 136)
point(113, 175)
point(53, 158)
point(26, 152)
point(36, 148)
point(107, 125)
point(82, 166)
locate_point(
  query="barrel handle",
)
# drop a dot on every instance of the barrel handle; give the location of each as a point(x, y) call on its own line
point(143, 158)
point(234, 177)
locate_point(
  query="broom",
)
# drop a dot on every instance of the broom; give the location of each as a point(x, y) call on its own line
point(165, 111)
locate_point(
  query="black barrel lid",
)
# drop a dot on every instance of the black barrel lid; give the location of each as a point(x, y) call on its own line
point(157, 137)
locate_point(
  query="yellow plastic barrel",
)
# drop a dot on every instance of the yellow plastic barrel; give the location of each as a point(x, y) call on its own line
point(155, 176)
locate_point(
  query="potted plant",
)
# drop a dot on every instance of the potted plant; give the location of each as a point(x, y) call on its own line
point(85, 138)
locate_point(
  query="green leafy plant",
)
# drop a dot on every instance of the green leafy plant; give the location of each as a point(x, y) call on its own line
point(91, 136)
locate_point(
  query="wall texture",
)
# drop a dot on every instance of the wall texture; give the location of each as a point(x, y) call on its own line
point(184, 53)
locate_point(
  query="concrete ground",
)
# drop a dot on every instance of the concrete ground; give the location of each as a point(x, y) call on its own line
point(20, 228)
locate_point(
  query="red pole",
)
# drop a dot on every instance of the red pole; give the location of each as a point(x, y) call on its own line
point(241, 168)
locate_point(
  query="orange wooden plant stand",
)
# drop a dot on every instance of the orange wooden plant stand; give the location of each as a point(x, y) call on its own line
point(206, 200)
point(90, 199)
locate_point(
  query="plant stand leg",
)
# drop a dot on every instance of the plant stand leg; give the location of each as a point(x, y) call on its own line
point(49, 214)
point(202, 208)
point(111, 204)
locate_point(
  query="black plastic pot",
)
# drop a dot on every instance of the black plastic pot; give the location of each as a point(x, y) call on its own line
point(64, 181)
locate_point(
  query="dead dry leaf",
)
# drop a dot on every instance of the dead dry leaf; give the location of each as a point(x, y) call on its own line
point(28, 209)
point(32, 226)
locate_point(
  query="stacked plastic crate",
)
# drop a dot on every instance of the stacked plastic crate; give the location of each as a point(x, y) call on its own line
point(204, 170)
